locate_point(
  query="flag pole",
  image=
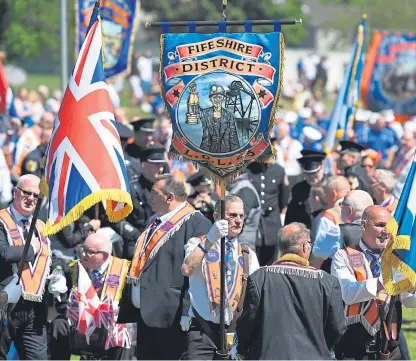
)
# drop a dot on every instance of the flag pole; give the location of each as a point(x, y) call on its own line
point(64, 46)
point(223, 351)
point(384, 354)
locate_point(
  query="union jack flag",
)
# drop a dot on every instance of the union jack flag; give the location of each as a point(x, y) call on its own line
point(6, 95)
point(84, 161)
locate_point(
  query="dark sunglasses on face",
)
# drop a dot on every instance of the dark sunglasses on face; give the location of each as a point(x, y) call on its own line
point(89, 252)
point(28, 194)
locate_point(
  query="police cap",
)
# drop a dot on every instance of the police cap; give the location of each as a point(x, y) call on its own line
point(153, 154)
point(124, 131)
point(348, 146)
point(199, 179)
point(144, 125)
point(311, 160)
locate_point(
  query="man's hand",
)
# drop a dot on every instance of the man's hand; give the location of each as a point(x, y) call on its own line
point(185, 323)
point(13, 290)
point(35, 244)
point(218, 230)
point(95, 223)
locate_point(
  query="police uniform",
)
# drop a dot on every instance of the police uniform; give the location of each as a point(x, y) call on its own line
point(142, 125)
point(272, 185)
point(355, 174)
point(31, 163)
point(299, 209)
point(140, 189)
point(206, 209)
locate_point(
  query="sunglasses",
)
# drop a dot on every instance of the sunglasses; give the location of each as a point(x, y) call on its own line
point(28, 194)
point(88, 251)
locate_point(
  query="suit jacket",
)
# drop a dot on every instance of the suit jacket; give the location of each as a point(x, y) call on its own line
point(311, 310)
point(10, 257)
point(228, 136)
point(164, 296)
point(298, 209)
point(273, 188)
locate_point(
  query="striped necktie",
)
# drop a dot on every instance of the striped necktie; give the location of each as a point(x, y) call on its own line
point(374, 261)
point(97, 280)
point(229, 266)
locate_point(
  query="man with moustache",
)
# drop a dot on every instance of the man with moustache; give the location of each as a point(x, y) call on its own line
point(358, 270)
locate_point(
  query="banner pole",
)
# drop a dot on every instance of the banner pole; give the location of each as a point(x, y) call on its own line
point(223, 350)
point(155, 24)
point(224, 10)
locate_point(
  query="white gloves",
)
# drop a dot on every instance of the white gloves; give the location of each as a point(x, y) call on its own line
point(218, 230)
point(57, 284)
point(13, 290)
point(185, 323)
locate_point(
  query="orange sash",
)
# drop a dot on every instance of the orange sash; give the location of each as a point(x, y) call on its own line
point(333, 214)
point(144, 252)
point(211, 270)
point(115, 278)
point(365, 312)
point(34, 275)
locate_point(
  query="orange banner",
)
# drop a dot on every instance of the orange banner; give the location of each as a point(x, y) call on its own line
point(257, 149)
point(220, 62)
point(220, 43)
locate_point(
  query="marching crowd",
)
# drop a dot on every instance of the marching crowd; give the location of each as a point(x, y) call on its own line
point(304, 237)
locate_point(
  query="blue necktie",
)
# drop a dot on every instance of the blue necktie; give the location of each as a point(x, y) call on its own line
point(229, 266)
point(97, 280)
point(374, 260)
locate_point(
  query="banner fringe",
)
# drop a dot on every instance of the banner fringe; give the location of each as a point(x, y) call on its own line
point(75, 213)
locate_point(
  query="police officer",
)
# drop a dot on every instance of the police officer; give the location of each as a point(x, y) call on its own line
point(202, 198)
point(143, 136)
point(152, 160)
point(349, 165)
point(299, 209)
point(31, 163)
point(272, 185)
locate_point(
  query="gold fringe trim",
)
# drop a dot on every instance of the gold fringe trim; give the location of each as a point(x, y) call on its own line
point(390, 260)
point(92, 199)
point(361, 319)
point(293, 271)
point(261, 158)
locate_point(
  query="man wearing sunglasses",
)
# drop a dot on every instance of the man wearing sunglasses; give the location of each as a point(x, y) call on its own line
point(27, 320)
point(202, 266)
point(358, 270)
point(99, 278)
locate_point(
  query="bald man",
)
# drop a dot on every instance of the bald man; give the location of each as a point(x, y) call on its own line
point(27, 326)
point(358, 270)
point(107, 275)
point(291, 293)
point(328, 233)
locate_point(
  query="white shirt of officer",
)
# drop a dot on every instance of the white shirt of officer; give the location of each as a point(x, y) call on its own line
point(197, 285)
point(135, 295)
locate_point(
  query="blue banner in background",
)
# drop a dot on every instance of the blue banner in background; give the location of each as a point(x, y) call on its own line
point(391, 68)
point(222, 91)
point(119, 23)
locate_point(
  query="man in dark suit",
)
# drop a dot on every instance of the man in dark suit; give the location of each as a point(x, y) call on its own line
point(272, 186)
point(219, 131)
point(157, 296)
point(27, 319)
point(305, 300)
point(299, 209)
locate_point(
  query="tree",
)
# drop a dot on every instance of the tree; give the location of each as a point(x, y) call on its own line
point(388, 15)
point(237, 10)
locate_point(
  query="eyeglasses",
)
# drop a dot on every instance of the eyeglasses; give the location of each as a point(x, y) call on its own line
point(28, 194)
point(235, 215)
point(89, 252)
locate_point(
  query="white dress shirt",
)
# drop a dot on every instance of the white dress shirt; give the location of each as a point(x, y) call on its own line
point(328, 237)
point(292, 148)
point(135, 294)
point(198, 288)
point(357, 292)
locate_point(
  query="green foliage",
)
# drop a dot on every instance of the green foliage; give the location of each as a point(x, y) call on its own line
point(389, 15)
point(237, 10)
